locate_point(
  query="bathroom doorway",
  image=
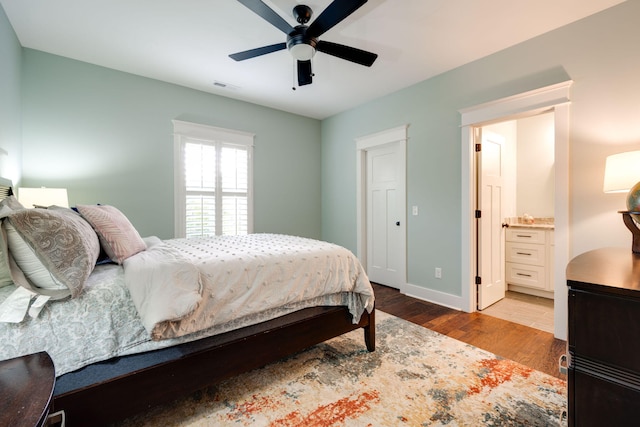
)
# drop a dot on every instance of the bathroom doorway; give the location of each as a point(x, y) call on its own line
point(554, 98)
point(525, 222)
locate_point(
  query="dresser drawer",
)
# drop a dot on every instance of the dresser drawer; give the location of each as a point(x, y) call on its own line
point(524, 253)
point(526, 235)
point(603, 329)
point(598, 402)
point(526, 275)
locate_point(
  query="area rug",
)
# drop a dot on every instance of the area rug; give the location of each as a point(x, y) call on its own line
point(416, 377)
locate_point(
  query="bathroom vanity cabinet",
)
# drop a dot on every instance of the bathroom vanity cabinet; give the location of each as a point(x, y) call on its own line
point(529, 260)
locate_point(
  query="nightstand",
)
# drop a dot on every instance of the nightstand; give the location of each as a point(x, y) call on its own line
point(26, 387)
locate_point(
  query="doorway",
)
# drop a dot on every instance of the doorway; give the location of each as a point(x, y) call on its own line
point(554, 99)
point(384, 222)
point(381, 206)
point(516, 168)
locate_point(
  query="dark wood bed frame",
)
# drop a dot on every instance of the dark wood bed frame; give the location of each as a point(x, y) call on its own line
point(122, 393)
point(206, 362)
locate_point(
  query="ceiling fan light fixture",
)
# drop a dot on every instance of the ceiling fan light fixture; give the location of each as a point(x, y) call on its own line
point(300, 46)
point(302, 51)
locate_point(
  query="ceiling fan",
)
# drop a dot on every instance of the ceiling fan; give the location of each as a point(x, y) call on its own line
point(302, 40)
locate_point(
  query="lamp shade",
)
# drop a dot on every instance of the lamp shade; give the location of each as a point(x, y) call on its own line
point(621, 172)
point(32, 197)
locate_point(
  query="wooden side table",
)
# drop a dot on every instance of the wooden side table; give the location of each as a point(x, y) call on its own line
point(26, 387)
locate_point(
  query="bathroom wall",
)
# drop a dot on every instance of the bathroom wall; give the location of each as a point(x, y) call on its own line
point(529, 165)
point(535, 166)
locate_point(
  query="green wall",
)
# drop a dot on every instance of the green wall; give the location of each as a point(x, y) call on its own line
point(107, 136)
point(10, 117)
point(599, 53)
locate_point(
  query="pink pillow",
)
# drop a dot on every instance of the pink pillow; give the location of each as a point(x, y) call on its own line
point(118, 237)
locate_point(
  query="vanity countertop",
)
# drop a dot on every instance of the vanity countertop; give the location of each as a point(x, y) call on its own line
point(540, 223)
point(534, 225)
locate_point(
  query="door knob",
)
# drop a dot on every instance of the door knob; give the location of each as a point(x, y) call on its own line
point(398, 223)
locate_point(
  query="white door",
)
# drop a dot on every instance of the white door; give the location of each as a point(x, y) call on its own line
point(490, 263)
point(385, 216)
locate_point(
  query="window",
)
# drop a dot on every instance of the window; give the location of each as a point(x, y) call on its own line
point(212, 181)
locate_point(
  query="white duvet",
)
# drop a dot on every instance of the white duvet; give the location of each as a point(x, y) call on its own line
point(180, 286)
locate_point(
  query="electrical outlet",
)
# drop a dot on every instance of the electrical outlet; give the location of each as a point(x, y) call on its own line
point(438, 273)
point(415, 210)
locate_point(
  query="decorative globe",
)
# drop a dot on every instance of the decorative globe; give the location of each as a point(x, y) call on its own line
point(633, 201)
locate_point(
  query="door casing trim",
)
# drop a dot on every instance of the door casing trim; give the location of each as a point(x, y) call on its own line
point(554, 98)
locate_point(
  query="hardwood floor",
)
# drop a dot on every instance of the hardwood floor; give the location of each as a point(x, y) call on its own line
point(531, 347)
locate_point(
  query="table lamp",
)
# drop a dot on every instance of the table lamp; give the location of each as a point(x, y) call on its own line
point(622, 175)
point(43, 197)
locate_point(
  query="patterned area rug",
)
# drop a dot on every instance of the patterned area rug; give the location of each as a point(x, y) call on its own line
point(416, 377)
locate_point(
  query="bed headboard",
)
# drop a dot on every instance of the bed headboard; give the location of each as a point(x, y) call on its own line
point(6, 189)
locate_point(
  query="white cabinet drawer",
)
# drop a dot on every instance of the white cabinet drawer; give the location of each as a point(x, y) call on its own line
point(526, 275)
point(524, 253)
point(526, 235)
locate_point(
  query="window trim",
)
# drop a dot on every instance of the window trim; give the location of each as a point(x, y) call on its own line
point(184, 131)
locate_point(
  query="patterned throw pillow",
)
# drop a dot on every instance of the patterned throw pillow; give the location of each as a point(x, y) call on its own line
point(117, 235)
point(55, 248)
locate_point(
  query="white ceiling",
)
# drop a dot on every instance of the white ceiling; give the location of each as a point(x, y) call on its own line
point(187, 42)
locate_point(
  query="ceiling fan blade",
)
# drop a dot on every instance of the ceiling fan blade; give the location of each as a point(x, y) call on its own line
point(349, 53)
point(332, 15)
point(305, 76)
point(248, 54)
point(258, 7)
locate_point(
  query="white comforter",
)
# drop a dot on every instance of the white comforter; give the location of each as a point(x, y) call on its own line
point(180, 286)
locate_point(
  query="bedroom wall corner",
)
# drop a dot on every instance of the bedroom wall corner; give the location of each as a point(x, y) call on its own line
point(10, 101)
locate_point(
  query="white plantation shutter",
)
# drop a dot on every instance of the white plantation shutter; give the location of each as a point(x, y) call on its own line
point(200, 181)
point(234, 188)
point(213, 181)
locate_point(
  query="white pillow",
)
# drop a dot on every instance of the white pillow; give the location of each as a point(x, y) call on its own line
point(7, 206)
point(28, 261)
point(5, 272)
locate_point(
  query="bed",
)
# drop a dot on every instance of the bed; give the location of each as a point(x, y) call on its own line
point(160, 343)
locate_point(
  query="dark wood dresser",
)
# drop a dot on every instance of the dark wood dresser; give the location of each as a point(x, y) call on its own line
point(604, 338)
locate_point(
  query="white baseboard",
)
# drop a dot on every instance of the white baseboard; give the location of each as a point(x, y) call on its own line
point(441, 298)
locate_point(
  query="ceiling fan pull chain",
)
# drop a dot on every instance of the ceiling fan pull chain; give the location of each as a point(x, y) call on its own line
point(293, 74)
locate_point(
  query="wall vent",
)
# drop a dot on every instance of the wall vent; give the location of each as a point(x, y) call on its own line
point(223, 85)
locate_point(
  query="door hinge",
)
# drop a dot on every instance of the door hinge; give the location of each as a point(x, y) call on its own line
point(478, 213)
point(478, 280)
point(478, 147)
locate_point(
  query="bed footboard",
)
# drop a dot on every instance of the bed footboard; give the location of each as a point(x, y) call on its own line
point(203, 363)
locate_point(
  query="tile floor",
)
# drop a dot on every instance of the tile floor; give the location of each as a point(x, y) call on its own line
point(528, 310)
